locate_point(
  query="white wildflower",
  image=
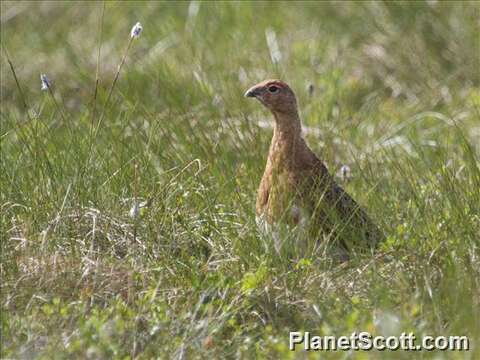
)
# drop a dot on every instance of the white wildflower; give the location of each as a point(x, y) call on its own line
point(136, 30)
point(134, 210)
point(46, 84)
point(137, 208)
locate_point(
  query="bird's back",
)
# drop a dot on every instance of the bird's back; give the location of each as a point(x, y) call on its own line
point(336, 212)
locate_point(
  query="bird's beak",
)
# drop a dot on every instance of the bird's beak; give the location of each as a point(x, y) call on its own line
point(252, 92)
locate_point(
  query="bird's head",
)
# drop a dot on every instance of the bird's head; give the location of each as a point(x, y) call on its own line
point(275, 95)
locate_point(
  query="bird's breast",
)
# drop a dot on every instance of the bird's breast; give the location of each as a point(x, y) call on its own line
point(279, 200)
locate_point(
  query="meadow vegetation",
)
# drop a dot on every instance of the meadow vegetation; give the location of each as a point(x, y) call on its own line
point(390, 89)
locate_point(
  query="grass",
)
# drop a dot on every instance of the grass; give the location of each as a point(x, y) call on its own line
point(394, 94)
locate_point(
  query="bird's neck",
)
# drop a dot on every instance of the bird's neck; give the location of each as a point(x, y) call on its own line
point(287, 138)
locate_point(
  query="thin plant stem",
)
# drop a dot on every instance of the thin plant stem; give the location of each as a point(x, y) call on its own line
point(102, 115)
point(25, 105)
point(135, 199)
point(95, 92)
point(56, 104)
point(95, 130)
point(22, 96)
point(24, 102)
point(97, 79)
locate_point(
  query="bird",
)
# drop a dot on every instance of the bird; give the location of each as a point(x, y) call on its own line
point(296, 187)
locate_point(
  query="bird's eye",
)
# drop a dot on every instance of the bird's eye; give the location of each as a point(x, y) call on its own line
point(273, 89)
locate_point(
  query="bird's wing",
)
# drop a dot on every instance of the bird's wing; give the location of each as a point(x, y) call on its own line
point(337, 212)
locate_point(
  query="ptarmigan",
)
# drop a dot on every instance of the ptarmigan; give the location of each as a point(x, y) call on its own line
point(297, 184)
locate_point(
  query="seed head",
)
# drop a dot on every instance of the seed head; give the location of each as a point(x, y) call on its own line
point(345, 173)
point(46, 84)
point(134, 210)
point(138, 208)
point(136, 30)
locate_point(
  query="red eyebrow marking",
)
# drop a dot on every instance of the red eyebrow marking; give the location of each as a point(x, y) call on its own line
point(277, 83)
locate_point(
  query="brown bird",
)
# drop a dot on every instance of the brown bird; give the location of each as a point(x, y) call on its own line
point(296, 187)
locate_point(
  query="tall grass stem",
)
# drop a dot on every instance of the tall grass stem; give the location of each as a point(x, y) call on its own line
point(97, 71)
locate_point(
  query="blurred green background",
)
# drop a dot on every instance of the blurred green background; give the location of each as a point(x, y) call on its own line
point(390, 89)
